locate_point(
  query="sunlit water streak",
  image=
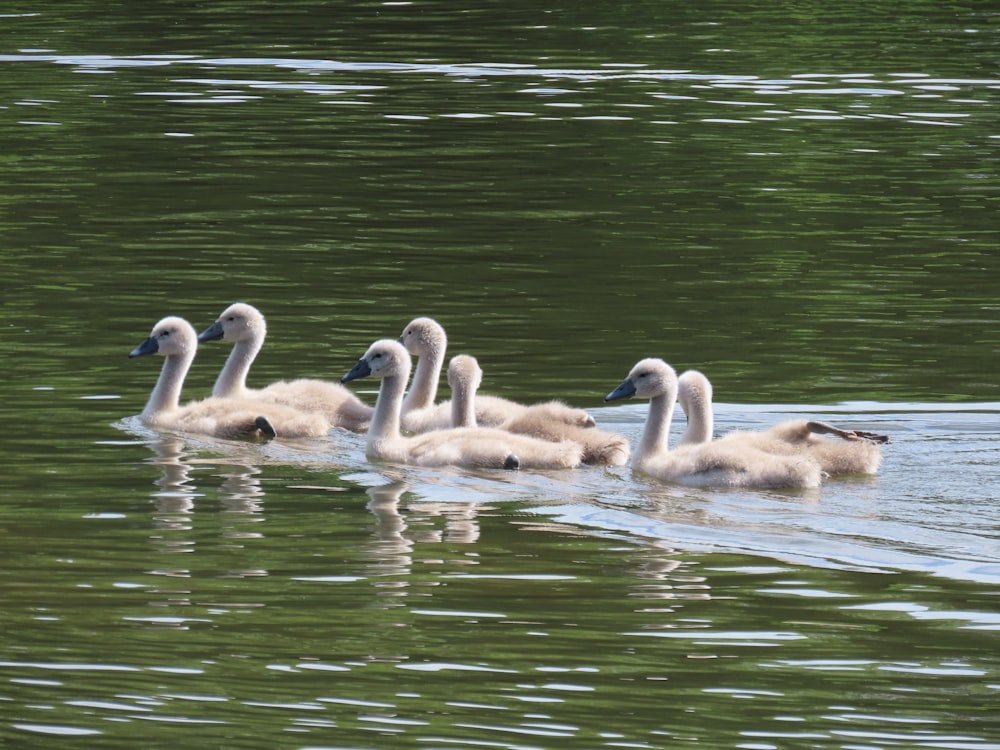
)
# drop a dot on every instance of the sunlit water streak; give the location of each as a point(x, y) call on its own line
point(853, 89)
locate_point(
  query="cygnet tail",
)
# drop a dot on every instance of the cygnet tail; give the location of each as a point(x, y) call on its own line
point(263, 424)
point(821, 428)
point(607, 452)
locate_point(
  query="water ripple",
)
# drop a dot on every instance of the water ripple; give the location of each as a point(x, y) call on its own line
point(861, 84)
point(55, 729)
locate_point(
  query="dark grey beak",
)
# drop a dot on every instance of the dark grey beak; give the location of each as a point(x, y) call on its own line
point(625, 390)
point(149, 346)
point(213, 333)
point(361, 370)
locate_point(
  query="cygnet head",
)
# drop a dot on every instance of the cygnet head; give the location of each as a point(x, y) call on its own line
point(464, 373)
point(693, 390)
point(171, 336)
point(238, 322)
point(423, 337)
point(385, 358)
point(648, 379)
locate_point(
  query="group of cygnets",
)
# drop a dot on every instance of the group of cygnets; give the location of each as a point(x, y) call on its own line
point(480, 431)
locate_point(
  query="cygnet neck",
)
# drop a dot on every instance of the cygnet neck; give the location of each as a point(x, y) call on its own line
point(166, 395)
point(386, 418)
point(423, 389)
point(463, 400)
point(696, 399)
point(232, 381)
point(656, 433)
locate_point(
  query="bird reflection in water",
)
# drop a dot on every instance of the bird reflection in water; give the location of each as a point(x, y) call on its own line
point(240, 494)
point(398, 530)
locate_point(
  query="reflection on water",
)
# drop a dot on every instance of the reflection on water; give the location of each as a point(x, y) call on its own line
point(240, 489)
point(175, 504)
point(389, 604)
point(938, 460)
point(310, 591)
point(176, 495)
point(392, 549)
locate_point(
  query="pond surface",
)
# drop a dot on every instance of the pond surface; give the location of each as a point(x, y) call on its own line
point(799, 201)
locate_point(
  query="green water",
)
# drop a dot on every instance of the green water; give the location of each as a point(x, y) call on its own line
point(798, 200)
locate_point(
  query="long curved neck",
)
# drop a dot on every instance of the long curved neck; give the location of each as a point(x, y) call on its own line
point(423, 389)
point(232, 381)
point(166, 395)
point(700, 420)
point(656, 433)
point(463, 405)
point(386, 418)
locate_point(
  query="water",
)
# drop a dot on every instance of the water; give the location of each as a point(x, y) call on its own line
point(798, 201)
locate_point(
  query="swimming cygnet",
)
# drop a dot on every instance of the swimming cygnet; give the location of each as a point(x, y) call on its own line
point(856, 452)
point(474, 447)
point(711, 464)
point(599, 446)
point(244, 325)
point(175, 339)
point(425, 339)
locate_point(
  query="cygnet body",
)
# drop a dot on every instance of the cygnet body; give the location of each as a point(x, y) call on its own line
point(473, 447)
point(245, 326)
point(711, 464)
point(599, 446)
point(425, 339)
point(175, 339)
point(855, 452)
